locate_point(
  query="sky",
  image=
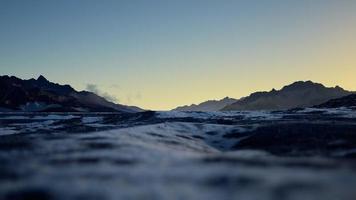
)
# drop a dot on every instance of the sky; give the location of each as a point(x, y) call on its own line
point(160, 54)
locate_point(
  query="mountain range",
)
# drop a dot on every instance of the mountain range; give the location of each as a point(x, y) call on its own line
point(211, 105)
point(42, 95)
point(298, 94)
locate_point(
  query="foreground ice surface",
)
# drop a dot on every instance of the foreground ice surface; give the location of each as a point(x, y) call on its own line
point(303, 154)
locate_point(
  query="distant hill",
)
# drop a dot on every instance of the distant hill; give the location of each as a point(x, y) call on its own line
point(298, 94)
point(211, 105)
point(346, 101)
point(42, 95)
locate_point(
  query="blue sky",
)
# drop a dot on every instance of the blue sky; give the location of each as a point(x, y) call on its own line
point(161, 54)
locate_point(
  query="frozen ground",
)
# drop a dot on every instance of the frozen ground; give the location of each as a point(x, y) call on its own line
point(300, 154)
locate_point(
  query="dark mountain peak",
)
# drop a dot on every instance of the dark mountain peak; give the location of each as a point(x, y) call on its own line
point(297, 94)
point(301, 83)
point(298, 85)
point(339, 88)
point(42, 79)
point(4, 77)
point(9, 78)
point(228, 99)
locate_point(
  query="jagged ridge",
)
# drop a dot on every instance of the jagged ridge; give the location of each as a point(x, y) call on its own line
point(42, 95)
point(297, 94)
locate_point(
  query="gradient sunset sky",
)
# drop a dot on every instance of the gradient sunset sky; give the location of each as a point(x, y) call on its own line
point(162, 54)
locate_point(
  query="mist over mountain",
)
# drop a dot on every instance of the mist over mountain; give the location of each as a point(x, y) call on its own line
point(211, 105)
point(297, 94)
point(42, 95)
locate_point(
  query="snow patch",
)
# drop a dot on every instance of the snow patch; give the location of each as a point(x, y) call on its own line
point(34, 126)
point(55, 117)
point(90, 120)
point(7, 131)
point(340, 112)
point(247, 115)
point(14, 117)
